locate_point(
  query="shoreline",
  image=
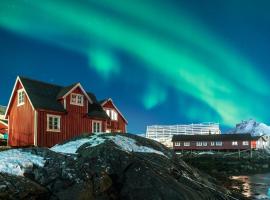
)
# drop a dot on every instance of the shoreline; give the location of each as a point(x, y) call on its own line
point(225, 169)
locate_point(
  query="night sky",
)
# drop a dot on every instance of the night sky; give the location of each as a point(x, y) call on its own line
point(162, 62)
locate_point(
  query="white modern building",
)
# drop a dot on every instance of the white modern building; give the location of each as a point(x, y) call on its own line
point(164, 133)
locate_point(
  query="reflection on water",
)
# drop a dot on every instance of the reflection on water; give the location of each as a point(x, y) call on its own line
point(255, 186)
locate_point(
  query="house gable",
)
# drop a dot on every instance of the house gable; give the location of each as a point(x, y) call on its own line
point(110, 105)
point(17, 86)
point(68, 90)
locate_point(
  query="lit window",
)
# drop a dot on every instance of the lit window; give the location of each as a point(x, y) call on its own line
point(204, 144)
point(198, 144)
point(234, 143)
point(96, 126)
point(177, 144)
point(53, 123)
point(186, 144)
point(219, 143)
point(245, 143)
point(112, 114)
point(76, 99)
point(20, 97)
point(212, 143)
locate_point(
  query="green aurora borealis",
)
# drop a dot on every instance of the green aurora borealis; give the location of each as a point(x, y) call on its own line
point(182, 53)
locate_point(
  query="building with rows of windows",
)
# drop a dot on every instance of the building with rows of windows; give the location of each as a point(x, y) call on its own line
point(164, 134)
point(217, 142)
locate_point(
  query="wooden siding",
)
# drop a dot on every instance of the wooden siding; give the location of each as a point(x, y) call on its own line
point(226, 145)
point(73, 123)
point(115, 126)
point(21, 122)
point(3, 128)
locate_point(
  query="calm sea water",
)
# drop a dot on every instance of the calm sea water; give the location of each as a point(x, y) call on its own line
point(255, 186)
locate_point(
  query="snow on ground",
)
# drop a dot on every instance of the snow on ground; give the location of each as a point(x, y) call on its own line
point(16, 161)
point(125, 143)
point(129, 144)
point(72, 146)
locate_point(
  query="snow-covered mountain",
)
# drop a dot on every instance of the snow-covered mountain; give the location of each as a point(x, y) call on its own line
point(252, 127)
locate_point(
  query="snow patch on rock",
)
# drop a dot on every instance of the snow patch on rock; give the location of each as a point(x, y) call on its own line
point(129, 144)
point(16, 161)
point(72, 146)
point(125, 143)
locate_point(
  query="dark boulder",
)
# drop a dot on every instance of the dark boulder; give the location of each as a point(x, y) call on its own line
point(109, 171)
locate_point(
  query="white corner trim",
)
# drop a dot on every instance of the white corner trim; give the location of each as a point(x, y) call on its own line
point(35, 127)
point(65, 103)
point(8, 131)
point(80, 86)
point(12, 94)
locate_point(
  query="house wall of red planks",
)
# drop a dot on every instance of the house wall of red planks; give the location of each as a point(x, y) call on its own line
point(115, 126)
point(73, 123)
point(21, 121)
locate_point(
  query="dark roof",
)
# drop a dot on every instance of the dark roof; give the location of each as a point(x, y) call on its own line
point(103, 101)
point(45, 96)
point(2, 110)
point(216, 137)
point(65, 90)
point(95, 110)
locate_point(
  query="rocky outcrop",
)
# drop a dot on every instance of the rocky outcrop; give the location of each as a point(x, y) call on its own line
point(110, 170)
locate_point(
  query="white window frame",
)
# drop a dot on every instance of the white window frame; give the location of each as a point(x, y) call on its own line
point(245, 143)
point(177, 144)
point(21, 92)
point(205, 144)
point(76, 97)
point(112, 113)
point(58, 117)
point(219, 143)
point(186, 144)
point(93, 126)
point(212, 143)
point(234, 143)
point(198, 144)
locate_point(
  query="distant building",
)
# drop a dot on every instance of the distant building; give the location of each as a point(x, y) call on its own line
point(218, 142)
point(164, 133)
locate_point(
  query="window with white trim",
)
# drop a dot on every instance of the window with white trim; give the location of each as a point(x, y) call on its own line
point(76, 99)
point(177, 144)
point(234, 143)
point(212, 143)
point(198, 144)
point(218, 143)
point(53, 123)
point(186, 144)
point(245, 143)
point(204, 144)
point(21, 96)
point(96, 126)
point(112, 114)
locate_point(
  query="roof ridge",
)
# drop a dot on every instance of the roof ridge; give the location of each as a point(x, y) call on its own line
point(43, 82)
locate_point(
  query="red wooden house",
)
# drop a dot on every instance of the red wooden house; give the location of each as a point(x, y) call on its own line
point(43, 114)
point(118, 123)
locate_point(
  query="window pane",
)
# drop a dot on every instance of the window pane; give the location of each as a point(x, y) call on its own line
point(50, 123)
